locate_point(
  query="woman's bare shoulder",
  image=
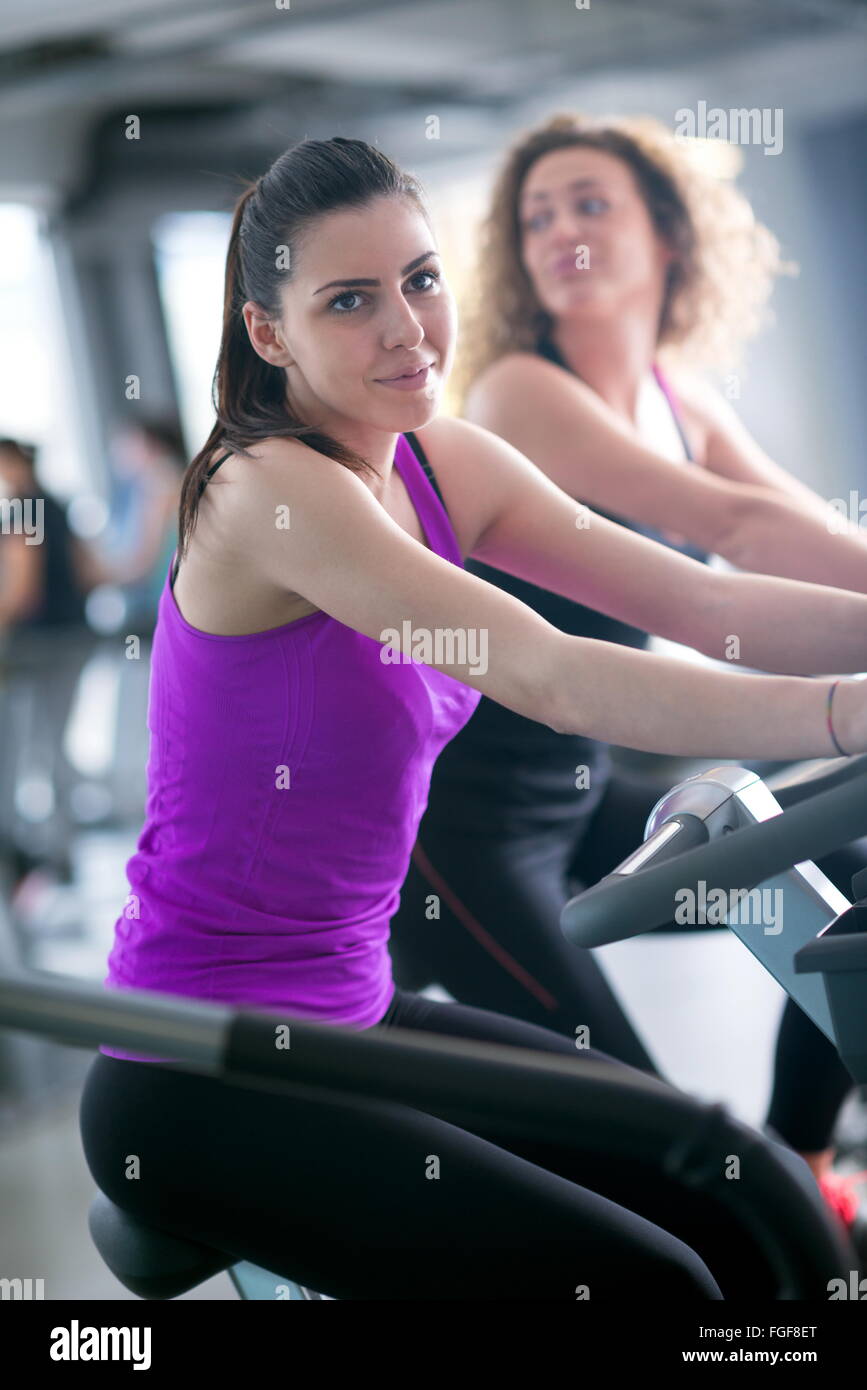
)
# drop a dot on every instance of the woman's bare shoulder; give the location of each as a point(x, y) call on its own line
point(227, 583)
point(512, 368)
point(273, 471)
point(264, 456)
point(521, 382)
point(451, 443)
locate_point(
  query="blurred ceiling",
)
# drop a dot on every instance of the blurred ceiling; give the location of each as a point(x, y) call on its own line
point(222, 86)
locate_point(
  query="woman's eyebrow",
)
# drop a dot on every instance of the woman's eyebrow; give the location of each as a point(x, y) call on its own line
point(571, 187)
point(406, 269)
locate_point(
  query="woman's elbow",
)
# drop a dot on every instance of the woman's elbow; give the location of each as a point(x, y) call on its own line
point(745, 519)
point(552, 697)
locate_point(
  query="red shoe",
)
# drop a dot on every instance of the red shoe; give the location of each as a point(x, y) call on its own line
point(838, 1191)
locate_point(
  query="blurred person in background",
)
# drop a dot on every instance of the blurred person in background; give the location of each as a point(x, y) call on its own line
point(605, 248)
point(44, 642)
point(135, 548)
point(40, 573)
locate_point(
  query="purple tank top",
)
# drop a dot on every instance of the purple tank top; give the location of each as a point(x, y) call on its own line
point(287, 774)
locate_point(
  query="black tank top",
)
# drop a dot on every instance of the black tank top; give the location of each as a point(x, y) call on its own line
point(504, 771)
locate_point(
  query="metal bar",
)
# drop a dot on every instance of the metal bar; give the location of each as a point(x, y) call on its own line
point(81, 1014)
point(743, 859)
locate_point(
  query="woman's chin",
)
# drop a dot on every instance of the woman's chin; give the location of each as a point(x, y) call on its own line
point(580, 299)
point(411, 411)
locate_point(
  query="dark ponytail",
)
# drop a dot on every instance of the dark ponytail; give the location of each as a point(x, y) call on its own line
point(309, 180)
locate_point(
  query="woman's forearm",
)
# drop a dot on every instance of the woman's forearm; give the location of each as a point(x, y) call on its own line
point(783, 625)
point(662, 704)
point(777, 534)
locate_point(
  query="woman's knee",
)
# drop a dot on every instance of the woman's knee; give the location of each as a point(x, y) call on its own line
point(686, 1276)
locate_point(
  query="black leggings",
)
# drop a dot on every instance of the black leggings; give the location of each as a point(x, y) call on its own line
point(497, 942)
point(335, 1192)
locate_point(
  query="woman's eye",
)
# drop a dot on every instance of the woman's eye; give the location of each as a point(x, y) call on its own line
point(432, 275)
point(593, 206)
point(536, 222)
point(339, 305)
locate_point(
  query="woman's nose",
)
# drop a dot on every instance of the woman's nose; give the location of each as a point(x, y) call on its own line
point(567, 226)
point(401, 327)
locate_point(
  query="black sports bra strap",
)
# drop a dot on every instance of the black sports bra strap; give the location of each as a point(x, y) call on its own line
point(202, 485)
point(425, 463)
point(212, 470)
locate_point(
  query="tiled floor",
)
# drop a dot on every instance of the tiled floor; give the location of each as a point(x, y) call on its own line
point(683, 993)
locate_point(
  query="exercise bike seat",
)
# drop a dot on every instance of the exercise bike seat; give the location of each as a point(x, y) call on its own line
point(149, 1262)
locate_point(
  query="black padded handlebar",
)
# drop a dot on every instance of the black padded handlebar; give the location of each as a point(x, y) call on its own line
point(594, 1108)
point(625, 905)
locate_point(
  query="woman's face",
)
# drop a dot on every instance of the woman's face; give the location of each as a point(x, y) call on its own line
point(16, 478)
point(367, 303)
point(587, 239)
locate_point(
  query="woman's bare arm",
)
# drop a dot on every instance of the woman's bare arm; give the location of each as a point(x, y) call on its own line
point(532, 529)
point(587, 450)
point(344, 554)
point(730, 450)
point(773, 494)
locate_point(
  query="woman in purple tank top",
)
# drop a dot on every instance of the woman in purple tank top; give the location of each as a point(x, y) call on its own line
point(320, 645)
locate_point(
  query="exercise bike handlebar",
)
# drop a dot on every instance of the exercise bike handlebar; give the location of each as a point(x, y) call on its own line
point(635, 899)
point(595, 1108)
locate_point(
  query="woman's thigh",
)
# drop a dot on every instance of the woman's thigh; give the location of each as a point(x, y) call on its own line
point(732, 1255)
point(364, 1198)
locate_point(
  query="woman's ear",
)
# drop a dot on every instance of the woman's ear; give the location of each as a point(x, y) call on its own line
point(266, 336)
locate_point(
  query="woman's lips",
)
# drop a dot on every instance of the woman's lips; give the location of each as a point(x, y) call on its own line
point(565, 266)
point(407, 383)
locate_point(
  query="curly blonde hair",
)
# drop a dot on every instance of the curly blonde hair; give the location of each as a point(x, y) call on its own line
point(718, 282)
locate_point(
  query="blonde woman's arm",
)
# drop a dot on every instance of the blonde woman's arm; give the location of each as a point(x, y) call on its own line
point(733, 507)
point(732, 453)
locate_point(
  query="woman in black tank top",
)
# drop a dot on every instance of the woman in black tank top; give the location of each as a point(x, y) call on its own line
point(524, 768)
point(518, 814)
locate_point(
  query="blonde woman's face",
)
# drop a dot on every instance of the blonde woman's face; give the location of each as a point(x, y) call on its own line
point(369, 303)
point(587, 240)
